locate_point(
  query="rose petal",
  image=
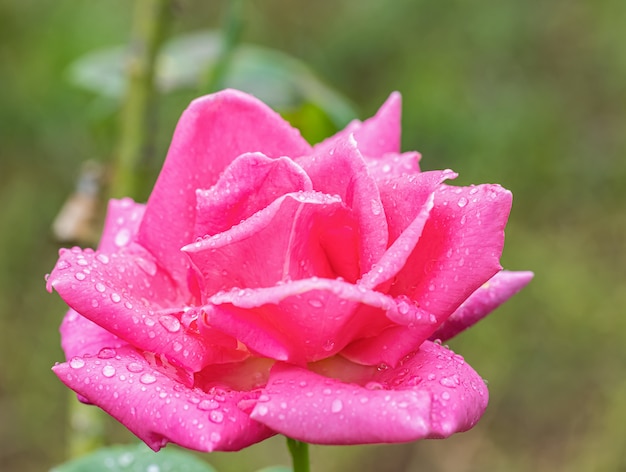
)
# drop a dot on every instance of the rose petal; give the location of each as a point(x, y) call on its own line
point(459, 248)
point(375, 136)
point(393, 165)
point(299, 321)
point(250, 183)
point(122, 223)
point(432, 394)
point(293, 238)
point(130, 296)
point(342, 171)
point(157, 408)
point(483, 301)
point(82, 337)
point(211, 133)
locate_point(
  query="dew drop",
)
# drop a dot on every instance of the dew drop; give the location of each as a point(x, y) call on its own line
point(80, 276)
point(77, 363)
point(208, 405)
point(107, 353)
point(216, 416)
point(336, 406)
point(147, 379)
point(262, 410)
point(445, 396)
point(122, 237)
point(328, 345)
point(108, 371)
point(134, 367)
point(103, 258)
point(170, 323)
point(176, 346)
point(100, 287)
point(315, 303)
point(462, 202)
point(62, 265)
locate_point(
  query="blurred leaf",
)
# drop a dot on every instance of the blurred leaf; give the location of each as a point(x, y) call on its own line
point(135, 458)
point(281, 81)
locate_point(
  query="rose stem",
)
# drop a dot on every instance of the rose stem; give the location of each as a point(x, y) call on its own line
point(299, 454)
point(138, 118)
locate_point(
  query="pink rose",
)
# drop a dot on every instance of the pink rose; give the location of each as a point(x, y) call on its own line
point(272, 287)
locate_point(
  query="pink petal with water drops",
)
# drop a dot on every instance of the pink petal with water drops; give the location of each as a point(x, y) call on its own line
point(210, 134)
point(82, 337)
point(408, 202)
point(158, 409)
point(341, 171)
point(375, 136)
point(121, 225)
point(393, 165)
point(299, 321)
point(250, 183)
point(483, 301)
point(431, 394)
point(130, 296)
point(297, 236)
point(459, 248)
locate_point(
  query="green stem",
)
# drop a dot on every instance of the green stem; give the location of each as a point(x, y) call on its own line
point(299, 454)
point(233, 26)
point(137, 117)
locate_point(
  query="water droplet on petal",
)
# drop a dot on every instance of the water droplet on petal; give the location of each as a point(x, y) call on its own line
point(134, 367)
point(376, 207)
point(216, 416)
point(122, 237)
point(77, 363)
point(62, 265)
point(336, 406)
point(106, 353)
point(462, 202)
point(170, 323)
point(147, 379)
point(208, 405)
point(262, 410)
point(103, 258)
point(80, 276)
point(328, 345)
point(315, 303)
point(115, 298)
point(100, 287)
point(108, 371)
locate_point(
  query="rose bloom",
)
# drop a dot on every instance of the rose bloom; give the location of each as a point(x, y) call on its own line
point(273, 287)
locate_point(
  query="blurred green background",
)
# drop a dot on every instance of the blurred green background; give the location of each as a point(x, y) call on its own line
point(529, 94)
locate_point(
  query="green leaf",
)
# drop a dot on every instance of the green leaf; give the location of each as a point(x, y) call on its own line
point(283, 82)
point(135, 458)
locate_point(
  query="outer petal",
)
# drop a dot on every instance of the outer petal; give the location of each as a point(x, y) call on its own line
point(377, 135)
point(82, 337)
point(158, 409)
point(483, 301)
point(249, 184)
point(342, 171)
point(298, 236)
point(300, 321)
point(121, 225)
point(131, 297)
point(432, 394)
point(212, 132)
point(393, 165)
point(459, 248)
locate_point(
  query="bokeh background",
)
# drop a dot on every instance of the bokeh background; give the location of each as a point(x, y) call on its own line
point(529, 94)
